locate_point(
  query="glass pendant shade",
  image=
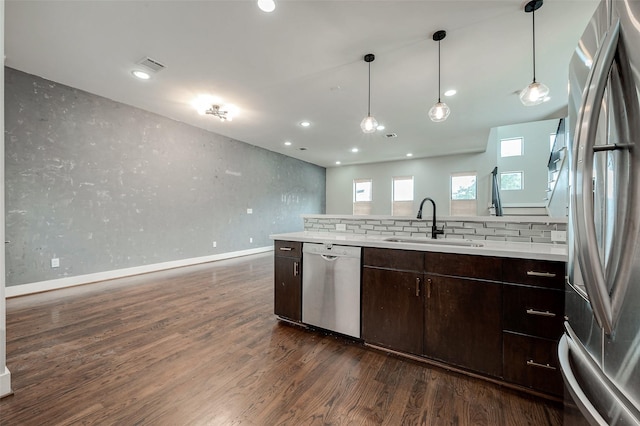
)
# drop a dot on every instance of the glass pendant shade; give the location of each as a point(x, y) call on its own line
point(369, 124)
point(439, 112)
point(534, 94)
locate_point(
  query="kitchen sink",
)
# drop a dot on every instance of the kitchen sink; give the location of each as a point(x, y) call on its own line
point(463, 243)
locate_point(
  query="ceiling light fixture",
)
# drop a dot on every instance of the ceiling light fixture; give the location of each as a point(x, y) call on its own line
point(450, 92)
point(354, 150)
point(287, 143)
point(535, 92)
point(305, 124)
point(142, 75)
point(369, 123)
point(223, 112)
point(267, 5)
point(440, 111)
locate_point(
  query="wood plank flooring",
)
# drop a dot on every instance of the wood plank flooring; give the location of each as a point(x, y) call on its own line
point(201, 346)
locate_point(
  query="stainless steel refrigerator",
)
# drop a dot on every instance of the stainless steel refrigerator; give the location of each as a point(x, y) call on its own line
point(600, 350)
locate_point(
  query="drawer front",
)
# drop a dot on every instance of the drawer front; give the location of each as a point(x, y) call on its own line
point(403, 260)
point(541, 273)
point(288, 249)
point(532, 362)
point(463, 265)
point(534, 311)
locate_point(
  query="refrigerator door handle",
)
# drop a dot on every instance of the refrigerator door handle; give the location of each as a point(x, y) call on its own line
point(574, 358)
point(579, 397)
point(582, 172)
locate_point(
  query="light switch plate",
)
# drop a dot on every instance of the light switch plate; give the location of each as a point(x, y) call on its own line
point(341, 227)
point(558, 235)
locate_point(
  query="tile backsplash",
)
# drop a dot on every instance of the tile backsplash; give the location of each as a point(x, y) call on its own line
point(511, 228)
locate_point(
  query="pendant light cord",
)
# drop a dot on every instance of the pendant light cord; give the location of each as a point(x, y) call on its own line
point(533, 15)
point(438, 71)
point(369, 97)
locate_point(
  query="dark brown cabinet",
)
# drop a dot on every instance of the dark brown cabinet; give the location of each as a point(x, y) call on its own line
point(392, 299)
point(463, 316)
point(533, 306)
point(288, 280)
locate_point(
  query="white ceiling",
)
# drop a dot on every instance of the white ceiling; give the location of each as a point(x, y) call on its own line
point(305, 62)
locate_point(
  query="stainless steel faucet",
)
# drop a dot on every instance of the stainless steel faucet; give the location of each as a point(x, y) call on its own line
point(434, 229)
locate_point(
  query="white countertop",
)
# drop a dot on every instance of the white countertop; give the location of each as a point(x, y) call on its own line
point(557, 252)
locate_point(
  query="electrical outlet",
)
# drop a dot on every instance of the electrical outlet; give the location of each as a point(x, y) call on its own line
point(558, 235)
point(341, 227)
point(55, 262)
point(215, 244)
point(250, 239)
point(249, 211)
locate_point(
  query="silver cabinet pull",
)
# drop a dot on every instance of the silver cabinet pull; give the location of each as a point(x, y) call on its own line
point(541, 274)
point(532, 363)
point(296, 269)
point(540, 313)
point(428, 288)
point(418, 287)
point(286, 248)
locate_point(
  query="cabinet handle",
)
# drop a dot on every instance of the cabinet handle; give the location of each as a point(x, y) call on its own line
point(532, 363)
point(540, 313)
point(418, 287)
point(541, 274)
point(428, 288)
point(296, 269)
point(286, 248)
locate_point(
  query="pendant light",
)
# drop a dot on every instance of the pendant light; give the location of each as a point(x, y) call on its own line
point(535, 93)
point(369, 123)
point(440, 111)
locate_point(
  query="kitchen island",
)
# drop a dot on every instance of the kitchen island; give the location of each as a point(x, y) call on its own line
point(490, 309)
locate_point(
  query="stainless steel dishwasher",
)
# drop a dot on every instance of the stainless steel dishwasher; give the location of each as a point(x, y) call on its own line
point(331, 287)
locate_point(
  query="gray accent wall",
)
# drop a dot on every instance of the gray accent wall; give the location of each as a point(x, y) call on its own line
point(104, 186)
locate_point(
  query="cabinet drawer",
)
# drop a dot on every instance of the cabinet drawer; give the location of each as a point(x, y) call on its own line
point(463, 265)
point(541, 273)
point(288, 249)
point(534, 311)
point(532, 362)
point(403, 260)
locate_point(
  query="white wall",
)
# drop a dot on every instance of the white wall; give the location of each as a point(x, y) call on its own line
point(533, 163)
point(5, 376)
point(432, 175)
point(431, 179)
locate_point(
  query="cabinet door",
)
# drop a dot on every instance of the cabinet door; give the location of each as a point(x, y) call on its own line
point(464, 323)
point(392, 309)
point(288, 288)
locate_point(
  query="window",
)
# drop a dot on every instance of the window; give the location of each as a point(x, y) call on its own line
point(402, 204)
point(463, 194)
point(362, 196)
point(511, 181)
point(552, 141)
point(511, 147)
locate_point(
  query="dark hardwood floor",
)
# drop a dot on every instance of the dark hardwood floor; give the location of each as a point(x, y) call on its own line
point(201, 346)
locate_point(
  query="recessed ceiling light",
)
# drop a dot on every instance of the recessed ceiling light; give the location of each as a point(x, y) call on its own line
point(267, 5)
point(380, 127)
point(338, 163)
point(409, 154)
point(305, 123)
point(141, 74)
point(450, 92)
point(287, 143)
point(354, 149)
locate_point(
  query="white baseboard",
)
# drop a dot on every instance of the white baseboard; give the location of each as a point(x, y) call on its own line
point(5, 383)
point(37, 287)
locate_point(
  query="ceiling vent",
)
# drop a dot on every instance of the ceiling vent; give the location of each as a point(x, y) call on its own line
point(391, 135)
point(151, 64)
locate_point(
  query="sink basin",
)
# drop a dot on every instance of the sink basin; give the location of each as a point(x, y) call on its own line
point(463, 243)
